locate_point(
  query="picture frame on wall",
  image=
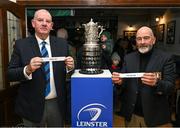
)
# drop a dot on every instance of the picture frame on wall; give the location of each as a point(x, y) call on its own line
point(158, 31)
point(129, 34)
point(171, 32)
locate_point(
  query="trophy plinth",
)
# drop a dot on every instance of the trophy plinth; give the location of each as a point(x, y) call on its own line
point(91, 60)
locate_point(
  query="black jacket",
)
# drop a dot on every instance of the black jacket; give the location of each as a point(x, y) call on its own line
point(154, 99)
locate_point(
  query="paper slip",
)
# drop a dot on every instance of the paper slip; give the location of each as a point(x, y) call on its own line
point(45, 59)
point(131, 75)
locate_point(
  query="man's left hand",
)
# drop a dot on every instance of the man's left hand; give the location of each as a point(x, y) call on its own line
point(150, 79)
point(69, 61)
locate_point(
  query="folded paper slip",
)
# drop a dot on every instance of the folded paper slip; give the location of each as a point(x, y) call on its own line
point(45, 59)
point(131, 75)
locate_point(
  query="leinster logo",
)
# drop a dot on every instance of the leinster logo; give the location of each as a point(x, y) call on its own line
point(93, 110)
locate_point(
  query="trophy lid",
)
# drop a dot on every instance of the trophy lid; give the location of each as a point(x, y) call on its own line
point(91, 23)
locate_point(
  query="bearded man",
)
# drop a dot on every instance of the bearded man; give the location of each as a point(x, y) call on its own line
point(144, 100)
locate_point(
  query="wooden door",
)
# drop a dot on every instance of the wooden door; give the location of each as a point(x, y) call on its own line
point(12, 27)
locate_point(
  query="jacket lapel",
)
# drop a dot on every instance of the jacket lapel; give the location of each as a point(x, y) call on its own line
point(152, 61)
point(54, 49)
point(35, 47)
point(136, 59)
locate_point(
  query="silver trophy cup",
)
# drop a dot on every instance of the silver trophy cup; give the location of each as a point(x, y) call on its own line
point(91, 59)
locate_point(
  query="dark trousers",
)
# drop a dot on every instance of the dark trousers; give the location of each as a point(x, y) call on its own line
point(52, 116)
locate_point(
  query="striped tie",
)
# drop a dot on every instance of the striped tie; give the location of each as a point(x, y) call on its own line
point(44, 53)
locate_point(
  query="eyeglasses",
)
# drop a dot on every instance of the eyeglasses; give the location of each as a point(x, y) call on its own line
point(144, 38)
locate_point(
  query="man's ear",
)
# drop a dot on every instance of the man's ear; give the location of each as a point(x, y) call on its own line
point(52, 24)
point(32, 22)
point(154, 40)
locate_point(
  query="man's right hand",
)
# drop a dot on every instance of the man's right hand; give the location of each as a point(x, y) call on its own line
point(35, 63)
point(103, 46)
point(116, 78)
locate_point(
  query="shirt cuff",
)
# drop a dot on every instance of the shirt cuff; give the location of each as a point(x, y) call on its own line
point(28, 77)
point(67, 70)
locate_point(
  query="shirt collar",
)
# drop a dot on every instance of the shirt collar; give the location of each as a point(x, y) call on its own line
point(40, 40)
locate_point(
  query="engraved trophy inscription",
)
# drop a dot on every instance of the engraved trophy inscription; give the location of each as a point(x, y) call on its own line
point(91, 60)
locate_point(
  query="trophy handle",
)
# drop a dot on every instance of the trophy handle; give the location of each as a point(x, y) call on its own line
point(102, 29)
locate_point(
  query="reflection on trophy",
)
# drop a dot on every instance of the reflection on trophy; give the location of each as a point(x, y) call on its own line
point(91, 60)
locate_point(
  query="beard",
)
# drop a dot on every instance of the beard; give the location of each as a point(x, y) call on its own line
point(145, 49)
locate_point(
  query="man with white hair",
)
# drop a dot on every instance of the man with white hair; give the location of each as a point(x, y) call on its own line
point(145, 96)
point(41, 98)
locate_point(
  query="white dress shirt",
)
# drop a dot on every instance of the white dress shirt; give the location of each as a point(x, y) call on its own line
point(52, 93)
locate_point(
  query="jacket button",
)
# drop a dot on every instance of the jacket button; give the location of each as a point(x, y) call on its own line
point(133, 104)
point(136, 92)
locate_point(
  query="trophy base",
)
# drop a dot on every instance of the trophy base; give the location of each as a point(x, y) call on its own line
point(91, 71)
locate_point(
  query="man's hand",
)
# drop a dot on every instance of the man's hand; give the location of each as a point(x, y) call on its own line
point(69, 61)
point(103, 46)
point(150, 79)
point(35, 63)
point(116, 78)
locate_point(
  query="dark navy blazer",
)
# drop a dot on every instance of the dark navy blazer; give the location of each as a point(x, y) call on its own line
point(30, 100)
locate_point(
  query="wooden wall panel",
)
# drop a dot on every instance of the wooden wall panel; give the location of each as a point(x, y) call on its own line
point(101, 3)
point(4, 45)
point(8, 94)
point(20, 13)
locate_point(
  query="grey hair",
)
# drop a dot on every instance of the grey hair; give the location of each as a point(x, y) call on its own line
point(41, 10)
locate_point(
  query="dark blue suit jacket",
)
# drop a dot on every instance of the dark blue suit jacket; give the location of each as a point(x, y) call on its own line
point(30, 100)
point(154, 99)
